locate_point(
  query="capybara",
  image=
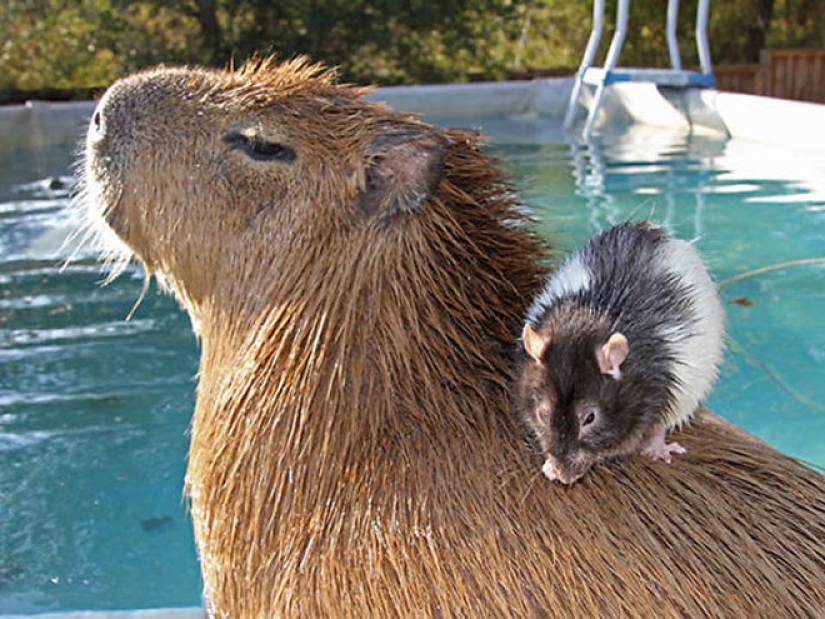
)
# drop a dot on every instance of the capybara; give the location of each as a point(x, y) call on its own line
point(357, 278)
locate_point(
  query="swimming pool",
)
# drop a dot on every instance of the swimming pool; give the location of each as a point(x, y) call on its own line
point(94, 409)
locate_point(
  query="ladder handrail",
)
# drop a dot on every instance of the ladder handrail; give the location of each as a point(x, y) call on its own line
point(672, 40)
point(595, 36)
point(702, 45)
point(609, 73)
point(622, 12)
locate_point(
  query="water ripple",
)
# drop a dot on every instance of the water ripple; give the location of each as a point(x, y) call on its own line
point(28, 337)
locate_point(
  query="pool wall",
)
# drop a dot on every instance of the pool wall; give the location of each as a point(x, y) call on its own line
point(770, 121)
point(740, 116)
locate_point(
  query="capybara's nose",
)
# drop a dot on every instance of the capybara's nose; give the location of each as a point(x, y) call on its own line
point(117, 119)
point(97, 126)
point(97, 121)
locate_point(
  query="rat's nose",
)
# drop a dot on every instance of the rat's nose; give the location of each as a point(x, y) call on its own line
point(562, 471)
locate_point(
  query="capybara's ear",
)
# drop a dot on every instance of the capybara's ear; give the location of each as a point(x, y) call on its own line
point(402, 167)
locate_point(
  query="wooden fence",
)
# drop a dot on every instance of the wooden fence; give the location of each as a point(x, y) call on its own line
point(787, 73)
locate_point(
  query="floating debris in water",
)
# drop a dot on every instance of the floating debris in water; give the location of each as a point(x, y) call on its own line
point(769, 269)
point(743, 301)
point(156, 523)
point(48, 187)
point(8, 572)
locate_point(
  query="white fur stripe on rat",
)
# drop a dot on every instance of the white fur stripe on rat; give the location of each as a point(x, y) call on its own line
point(618, 349)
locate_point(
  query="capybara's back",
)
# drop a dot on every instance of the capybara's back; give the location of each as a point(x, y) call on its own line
point(357, 278)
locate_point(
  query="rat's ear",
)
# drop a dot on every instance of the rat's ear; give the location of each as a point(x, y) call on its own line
point(534, 344)
point(612, 355)
point(402, 167)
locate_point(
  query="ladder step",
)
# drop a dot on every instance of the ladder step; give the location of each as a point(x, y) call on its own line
point(676, 78)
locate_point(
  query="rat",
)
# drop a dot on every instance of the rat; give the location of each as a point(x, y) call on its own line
point(618, 349)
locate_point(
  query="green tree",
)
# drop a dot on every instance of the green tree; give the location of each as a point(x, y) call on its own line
point(389, 41)
point(56, 44)
point(88, 43)
point(49, 44)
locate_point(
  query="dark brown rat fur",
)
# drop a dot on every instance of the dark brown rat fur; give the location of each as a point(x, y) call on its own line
point(353, 453)
point(618, 349)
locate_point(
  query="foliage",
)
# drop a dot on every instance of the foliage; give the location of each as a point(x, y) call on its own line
point(50, 44)
point(88, 43)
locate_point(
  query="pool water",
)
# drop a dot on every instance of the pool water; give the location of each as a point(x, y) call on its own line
point(94, 409)
point(93, 418)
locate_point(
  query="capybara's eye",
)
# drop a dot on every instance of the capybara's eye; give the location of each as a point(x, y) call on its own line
point(258, 149)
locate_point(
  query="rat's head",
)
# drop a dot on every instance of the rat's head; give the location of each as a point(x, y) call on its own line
point(573, 393)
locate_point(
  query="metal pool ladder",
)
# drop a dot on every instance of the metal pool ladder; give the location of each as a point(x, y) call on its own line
point(602, 77)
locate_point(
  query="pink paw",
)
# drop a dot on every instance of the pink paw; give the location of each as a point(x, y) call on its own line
point(663, 451)
point(549, 470)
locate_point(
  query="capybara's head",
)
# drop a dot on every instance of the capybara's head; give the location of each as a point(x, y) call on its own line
point(212, 176)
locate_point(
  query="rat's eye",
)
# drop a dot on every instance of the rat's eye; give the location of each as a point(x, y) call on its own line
point(544, 411)
point(588, 414)
point(259, 149)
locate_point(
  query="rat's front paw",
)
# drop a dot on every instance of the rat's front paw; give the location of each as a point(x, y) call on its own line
point(549, 470)
point(663, 451)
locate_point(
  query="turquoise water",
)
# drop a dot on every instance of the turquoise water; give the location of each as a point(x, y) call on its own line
point(93, 418)
point(94, 410)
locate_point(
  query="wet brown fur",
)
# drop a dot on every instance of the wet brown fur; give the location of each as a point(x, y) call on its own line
point(353, 452)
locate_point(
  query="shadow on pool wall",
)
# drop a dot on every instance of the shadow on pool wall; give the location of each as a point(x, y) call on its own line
point(521, 109)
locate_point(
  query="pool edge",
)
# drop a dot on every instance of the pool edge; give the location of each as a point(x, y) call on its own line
point(191, 612)
point(742, 116)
